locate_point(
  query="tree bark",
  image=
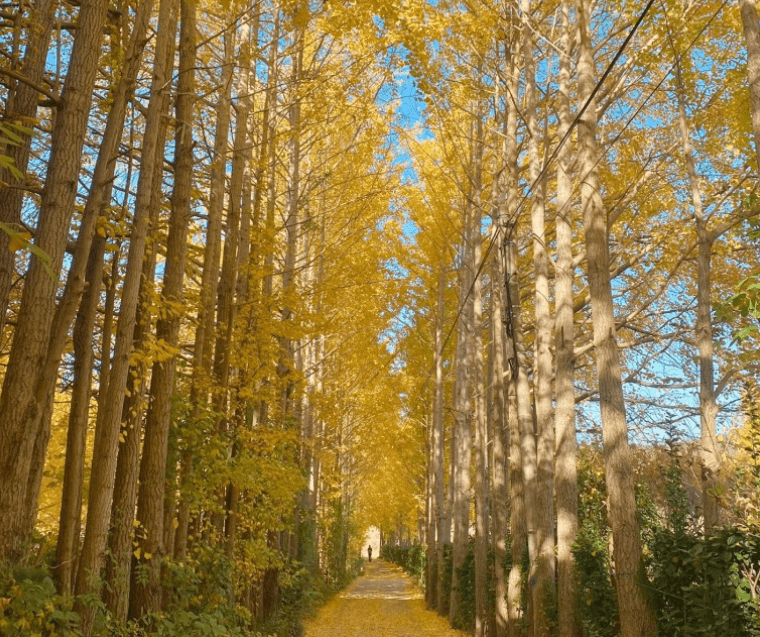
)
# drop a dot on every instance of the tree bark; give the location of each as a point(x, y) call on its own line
point(22, 394)
point(146, 596)
point(708, 409)
point(498, 417)
point(70, 522)
point(636, 616)
point(752, 36)
point(438, 442)
point(507, 207)
point(526, 436)
point(566, 473)
point(109, 423)
point(544, 593)
point(147, 207)
point(479, 411)
point(21, 109)
point(462, 442)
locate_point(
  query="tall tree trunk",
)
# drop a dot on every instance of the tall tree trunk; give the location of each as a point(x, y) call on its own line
point(146, 596)
point(708, 408)
point(636, 616)
point(99, 189)
point(525, 428)
point(438, 442)
point(202, 354)
point(240, 207)
point(21, 109)
point(500, 452)
point(544, 568)
point(140, 271)
point(566, 473)
point(477, 365)
point(110, 416)
point(118, 566)
point(70, 523)
point(513, 326)
point(292, 223)
point(752, 36)
point(22, 396)
point(462, 442)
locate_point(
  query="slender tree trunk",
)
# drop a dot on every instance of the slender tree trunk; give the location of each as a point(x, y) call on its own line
point(708, 409)
point(240, 207)
point(513, 326)
point(525, 426)
point(429, 522)
point(21, 109)
point(517, 525)
point(462, 444)
point(438, 441)
point(22, 394)
point(500, 453)
point(544, 568)
point(100, 187)
point(203, 350)
point(110, 416)
point(636, 616)
point(146, 596)
point(118, 566)
point(752, 36)
point(70, 523)
point(477, 365)
point(292, 223)
point(147, 206)
point(566, 473)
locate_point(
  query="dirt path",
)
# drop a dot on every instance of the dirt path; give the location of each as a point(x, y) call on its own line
point(381, 603)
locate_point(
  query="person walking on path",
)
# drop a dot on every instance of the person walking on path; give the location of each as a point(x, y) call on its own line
point(369, 552)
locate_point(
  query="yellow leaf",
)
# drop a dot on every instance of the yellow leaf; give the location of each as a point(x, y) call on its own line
point(137, 553)
point(18, 240)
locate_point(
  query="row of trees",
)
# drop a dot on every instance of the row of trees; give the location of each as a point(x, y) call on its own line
point(195, 284)
point(234, 329)
point(595, 163)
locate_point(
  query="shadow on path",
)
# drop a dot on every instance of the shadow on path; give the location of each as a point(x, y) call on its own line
point(382, 603)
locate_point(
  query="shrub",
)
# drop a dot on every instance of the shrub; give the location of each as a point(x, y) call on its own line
point(701, 586)
point(411, 558)
point(29, 605)
point(596, 600)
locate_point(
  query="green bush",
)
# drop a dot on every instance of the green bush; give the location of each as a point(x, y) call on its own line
point(596, 600)
point(30, 605)
point(448, 572)
point(465, 618)
point(700, 586)
point(411, 558)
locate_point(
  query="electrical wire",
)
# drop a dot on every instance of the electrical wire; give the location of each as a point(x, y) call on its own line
point(549, 161)
point(552, 157)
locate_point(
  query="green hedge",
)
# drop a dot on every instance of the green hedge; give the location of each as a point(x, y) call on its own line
point(411, 558)
point(700, 585)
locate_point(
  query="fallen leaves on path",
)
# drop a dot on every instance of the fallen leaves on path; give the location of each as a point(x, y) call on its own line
point(381, 603)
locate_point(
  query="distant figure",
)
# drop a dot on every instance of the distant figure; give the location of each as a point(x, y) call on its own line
point(369, 552)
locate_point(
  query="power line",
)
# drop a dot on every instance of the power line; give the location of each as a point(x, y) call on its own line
point(553, 156)
point(548, 162)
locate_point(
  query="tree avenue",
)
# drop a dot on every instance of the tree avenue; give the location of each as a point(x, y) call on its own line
point(479, 277)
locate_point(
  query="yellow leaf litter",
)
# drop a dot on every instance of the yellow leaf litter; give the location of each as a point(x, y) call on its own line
point(381, 603)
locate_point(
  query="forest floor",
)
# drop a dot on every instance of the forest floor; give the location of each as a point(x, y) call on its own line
point(382, 603)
